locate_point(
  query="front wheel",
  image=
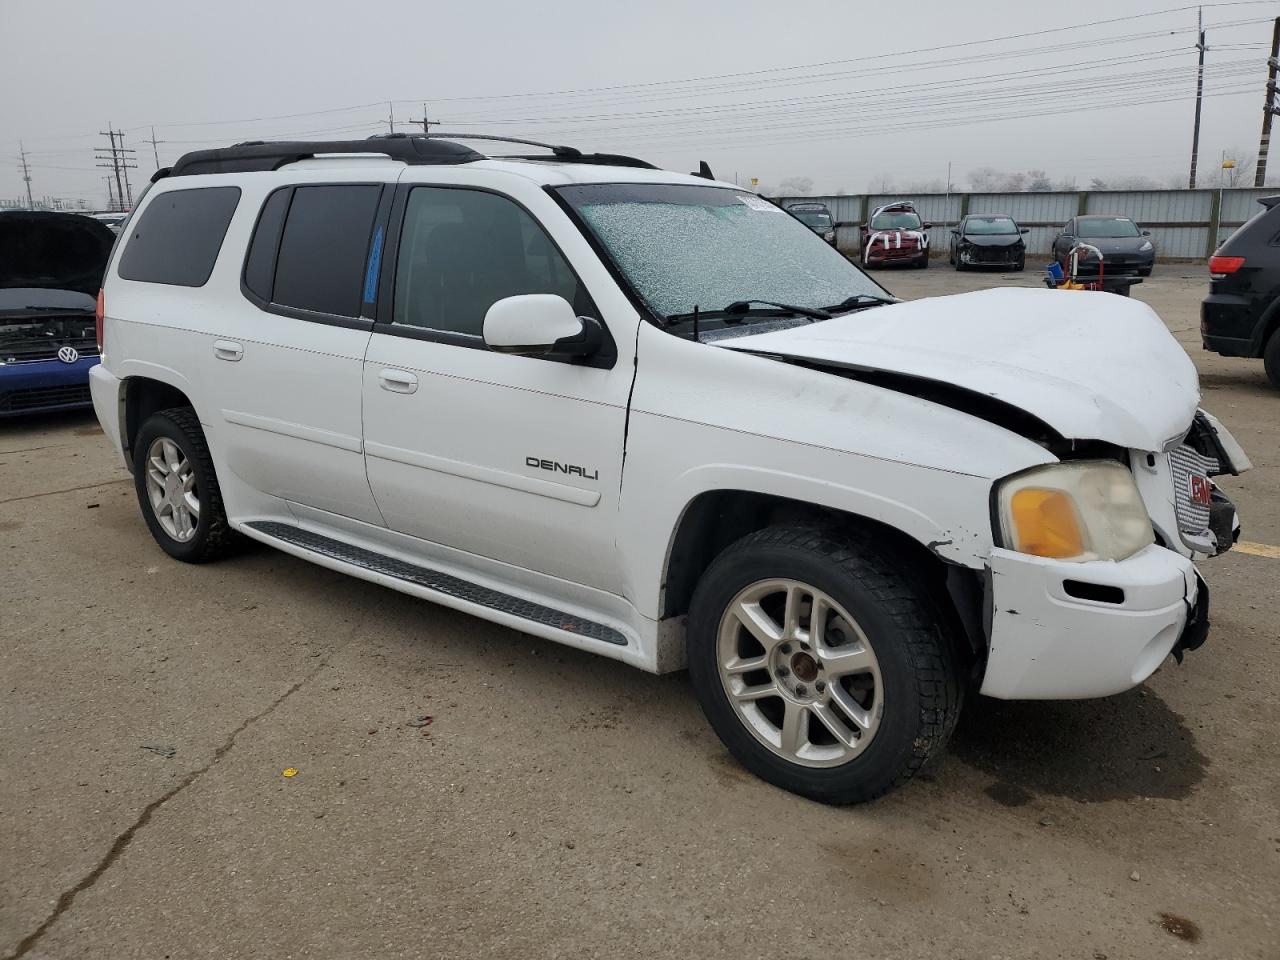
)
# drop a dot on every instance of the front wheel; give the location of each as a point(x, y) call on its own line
point(178, 489)
point(1020, 264)
point(820, 663)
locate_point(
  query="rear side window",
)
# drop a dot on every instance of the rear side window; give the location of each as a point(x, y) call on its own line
point(259, 268)
point(178, 236)
point(323, 249)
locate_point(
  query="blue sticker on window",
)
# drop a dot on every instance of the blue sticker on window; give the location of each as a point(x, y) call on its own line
point(371, 272)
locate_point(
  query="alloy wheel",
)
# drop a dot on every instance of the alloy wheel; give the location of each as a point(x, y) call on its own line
point(171, 489)
point(799, 673)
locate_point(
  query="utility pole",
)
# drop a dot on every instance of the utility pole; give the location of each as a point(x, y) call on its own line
point(391, 117)
point(426, 124)
point(1269, 108)
point(154, 143)
point(120, 163)
point(26, 175)
point(1195, 134)
point(111, 197)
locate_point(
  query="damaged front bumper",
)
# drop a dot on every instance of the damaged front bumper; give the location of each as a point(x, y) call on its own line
point(1063, 631)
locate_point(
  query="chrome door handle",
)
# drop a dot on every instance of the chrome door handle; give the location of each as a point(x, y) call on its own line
point(227, 350)
point(398, 381)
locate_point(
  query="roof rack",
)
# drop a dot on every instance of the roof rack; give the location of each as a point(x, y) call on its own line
point(262, 155)
point(413, 149)
point(563, 153)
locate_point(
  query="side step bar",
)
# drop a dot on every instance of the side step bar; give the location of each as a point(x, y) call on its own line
point(444, 583)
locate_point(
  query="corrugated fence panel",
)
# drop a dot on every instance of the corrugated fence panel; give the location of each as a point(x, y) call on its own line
point(1180, 221)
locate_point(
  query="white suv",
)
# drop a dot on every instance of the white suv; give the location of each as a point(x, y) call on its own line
point(653, 416)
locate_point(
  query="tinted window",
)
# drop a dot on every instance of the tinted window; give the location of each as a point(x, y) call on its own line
point(177, 238)
point(463, 250)
point(896, 220)
point(323, 249)
point(259, 266)
point(1107, 227)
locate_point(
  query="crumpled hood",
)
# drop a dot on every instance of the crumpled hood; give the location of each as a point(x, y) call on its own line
point(992, 239)
point(1094, 366)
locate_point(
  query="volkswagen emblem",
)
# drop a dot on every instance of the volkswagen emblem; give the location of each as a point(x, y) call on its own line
point(68, 354)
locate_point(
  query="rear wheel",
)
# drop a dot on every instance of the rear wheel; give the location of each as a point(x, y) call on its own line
point(1271, 359)
point(178, 489)
point(820, 665)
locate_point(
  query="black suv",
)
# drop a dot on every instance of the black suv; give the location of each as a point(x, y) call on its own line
point(1241, 315)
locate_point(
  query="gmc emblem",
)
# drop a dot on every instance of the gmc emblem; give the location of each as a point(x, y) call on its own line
point(1201, 490)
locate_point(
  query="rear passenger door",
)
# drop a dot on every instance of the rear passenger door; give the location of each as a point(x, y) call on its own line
point(286, 362)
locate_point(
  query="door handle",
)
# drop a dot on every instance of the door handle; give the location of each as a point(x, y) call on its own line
point(398, 381)
point(227, 350)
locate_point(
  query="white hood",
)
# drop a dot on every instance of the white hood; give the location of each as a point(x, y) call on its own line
point(1094, 366)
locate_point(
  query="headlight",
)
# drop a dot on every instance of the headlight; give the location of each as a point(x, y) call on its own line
point(1145, 247)
point(829, 236)
point(1087, 510)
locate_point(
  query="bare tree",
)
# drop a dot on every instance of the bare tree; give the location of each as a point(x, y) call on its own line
point(1040, 182)
point(1098, 184)
point(1066, 184)
point(796, 186)
point(1242, 173)
point(986, 179)
point(881, 183)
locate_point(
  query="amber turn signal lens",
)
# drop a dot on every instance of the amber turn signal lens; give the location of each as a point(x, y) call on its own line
point(1045, 523)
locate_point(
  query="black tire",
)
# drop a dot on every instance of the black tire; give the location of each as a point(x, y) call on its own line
point(1271, 359)
point(1145, 271)
point(920, 676)
point(1020, 265)
point(213, 537)
point(924, 262)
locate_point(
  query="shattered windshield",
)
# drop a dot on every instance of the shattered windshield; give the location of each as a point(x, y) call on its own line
point(685, 246)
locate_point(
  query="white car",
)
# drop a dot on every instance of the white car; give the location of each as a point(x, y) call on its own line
point(653, 416)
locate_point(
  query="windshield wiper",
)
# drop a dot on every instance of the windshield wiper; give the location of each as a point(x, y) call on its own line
point(860, 300)
point(743, 308)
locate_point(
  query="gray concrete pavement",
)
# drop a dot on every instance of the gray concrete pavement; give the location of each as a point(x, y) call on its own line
point(559, 805)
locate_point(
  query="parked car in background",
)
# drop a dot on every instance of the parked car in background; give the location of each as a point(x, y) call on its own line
point(1125, 248)
point(113, 220)
point(51, 267)
point(817, 218)
point(895, 234)
point(988, 240)
point(1241, 315)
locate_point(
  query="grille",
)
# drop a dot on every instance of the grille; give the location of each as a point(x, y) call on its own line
point(31, 351)
point(32, 398)
point(1184, 463)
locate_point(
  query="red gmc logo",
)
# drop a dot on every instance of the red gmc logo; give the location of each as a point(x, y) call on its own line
point(1201, 490)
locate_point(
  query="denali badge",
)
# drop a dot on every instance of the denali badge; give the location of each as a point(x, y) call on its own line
point(554, 467)
point(68, 354)
point(1201, 490)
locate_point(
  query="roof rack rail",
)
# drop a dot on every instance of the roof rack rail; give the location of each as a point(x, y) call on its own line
point(411, 148)
point(271, 155)
point(559, 152)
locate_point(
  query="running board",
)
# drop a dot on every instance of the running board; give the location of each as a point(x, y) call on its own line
point(434, 580)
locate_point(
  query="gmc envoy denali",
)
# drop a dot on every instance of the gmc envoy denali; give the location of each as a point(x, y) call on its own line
point(652, 416)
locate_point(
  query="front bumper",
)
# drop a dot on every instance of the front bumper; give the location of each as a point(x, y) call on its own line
point(43, 386)
point(991, 256)
point(1067, 631)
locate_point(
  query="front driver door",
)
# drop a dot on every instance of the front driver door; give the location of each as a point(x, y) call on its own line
point(512, 458)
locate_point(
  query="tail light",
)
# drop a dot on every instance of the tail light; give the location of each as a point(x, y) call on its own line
point(98, 313)
point(1221, 266)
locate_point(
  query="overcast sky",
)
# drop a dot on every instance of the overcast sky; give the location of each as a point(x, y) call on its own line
point(831, 91)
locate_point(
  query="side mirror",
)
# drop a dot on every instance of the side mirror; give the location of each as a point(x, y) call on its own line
point(955, 233)
point(540, 325)
point(927, 226)
point(1146, 233)
point(1024, 229)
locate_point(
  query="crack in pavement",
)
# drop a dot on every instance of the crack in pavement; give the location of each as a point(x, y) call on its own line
point(54, 493)
point(122, 842)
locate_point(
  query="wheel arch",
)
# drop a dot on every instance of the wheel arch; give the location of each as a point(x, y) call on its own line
point(141, 396)
point(715, 519)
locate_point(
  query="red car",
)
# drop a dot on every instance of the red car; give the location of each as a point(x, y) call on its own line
point(895, 234)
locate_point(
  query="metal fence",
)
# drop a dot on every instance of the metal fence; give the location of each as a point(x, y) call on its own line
point(1184, 224)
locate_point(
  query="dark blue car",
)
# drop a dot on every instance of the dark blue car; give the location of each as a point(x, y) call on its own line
point(51, 267)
